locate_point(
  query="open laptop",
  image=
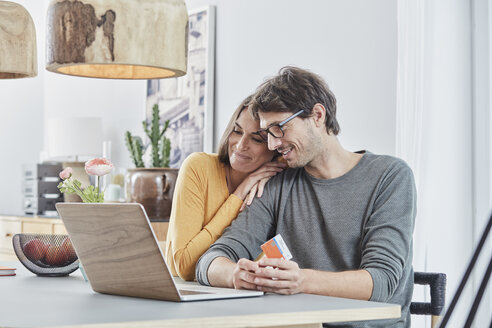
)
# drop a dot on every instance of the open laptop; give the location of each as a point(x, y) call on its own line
point(121, 255)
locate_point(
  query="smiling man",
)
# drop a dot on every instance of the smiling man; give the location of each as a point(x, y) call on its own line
point(347, 217)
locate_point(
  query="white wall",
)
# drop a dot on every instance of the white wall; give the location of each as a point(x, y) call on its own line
point(482, 151)
point(352, 44)
point(446, 178)
point(120, 104)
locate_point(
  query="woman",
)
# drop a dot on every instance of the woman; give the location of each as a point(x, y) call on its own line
point(212, 188)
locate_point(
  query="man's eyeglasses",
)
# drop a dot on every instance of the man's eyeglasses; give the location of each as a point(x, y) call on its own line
point(276, 129)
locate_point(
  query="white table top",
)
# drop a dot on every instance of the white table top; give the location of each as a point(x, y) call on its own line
point(28, 300)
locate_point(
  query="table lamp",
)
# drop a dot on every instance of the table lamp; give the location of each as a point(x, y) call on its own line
point(71, 138)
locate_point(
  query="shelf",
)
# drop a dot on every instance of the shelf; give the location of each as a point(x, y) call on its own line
point(11, 225)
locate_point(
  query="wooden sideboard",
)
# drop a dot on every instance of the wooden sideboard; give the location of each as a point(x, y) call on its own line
point(11, 225)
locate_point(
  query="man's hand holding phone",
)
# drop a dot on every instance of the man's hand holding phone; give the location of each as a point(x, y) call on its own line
point(272, 272)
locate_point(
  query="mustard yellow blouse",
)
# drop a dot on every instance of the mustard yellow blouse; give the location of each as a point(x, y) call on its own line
point(202, 209)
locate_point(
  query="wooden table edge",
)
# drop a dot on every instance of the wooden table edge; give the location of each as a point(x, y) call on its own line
point(284, 319)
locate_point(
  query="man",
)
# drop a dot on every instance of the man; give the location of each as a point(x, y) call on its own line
point(347, 217)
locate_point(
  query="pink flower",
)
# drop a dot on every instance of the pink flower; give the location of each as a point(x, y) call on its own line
point(98, 166)
point(66, 173)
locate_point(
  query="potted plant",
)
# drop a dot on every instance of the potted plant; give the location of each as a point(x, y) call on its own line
point(152, 187)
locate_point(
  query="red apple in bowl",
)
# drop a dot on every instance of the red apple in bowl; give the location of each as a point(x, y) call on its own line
point(69, 250)
point(56, 255)
point(35, 249)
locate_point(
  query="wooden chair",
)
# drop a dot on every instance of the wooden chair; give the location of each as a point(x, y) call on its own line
point(437, 284)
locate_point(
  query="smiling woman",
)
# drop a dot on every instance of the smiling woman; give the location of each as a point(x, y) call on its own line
point(247, 151)
point(212, 188)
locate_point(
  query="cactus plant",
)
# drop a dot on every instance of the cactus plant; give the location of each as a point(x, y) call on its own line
point(160, 144)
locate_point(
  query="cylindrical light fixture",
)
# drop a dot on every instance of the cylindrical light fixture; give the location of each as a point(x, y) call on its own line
point(18, 56)
point(117, 39)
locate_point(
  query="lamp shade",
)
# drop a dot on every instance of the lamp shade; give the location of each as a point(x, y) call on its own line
point(81, 136)
point(117, 39)
point(18, 56)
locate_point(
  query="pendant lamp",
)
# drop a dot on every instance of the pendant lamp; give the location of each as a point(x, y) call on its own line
point(18, 56)
point(117, 39)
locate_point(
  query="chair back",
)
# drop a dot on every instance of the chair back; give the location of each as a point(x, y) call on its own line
point(437, 284)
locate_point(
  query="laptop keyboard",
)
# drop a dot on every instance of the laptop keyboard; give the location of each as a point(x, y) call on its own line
point(191, 292)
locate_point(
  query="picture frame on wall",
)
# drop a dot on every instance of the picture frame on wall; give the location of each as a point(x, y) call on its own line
point(188, 101)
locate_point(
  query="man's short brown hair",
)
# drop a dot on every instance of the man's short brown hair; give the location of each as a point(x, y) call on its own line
point(294, 89)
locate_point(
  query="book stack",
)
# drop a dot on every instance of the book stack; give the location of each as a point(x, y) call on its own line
point(5, 271)
point(39, 188)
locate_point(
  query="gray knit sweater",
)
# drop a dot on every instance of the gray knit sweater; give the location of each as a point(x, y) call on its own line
point(361, 220)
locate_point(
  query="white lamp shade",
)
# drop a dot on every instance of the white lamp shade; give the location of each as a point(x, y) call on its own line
point(81, 136)
point(117, 39)
point(18, 57)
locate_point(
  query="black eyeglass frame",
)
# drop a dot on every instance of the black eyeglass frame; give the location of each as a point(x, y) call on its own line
point(264, 132)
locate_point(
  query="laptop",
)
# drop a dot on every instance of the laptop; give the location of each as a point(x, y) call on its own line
point(121, 255)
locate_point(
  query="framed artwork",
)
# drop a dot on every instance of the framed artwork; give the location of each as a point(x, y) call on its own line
point(188, 101)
